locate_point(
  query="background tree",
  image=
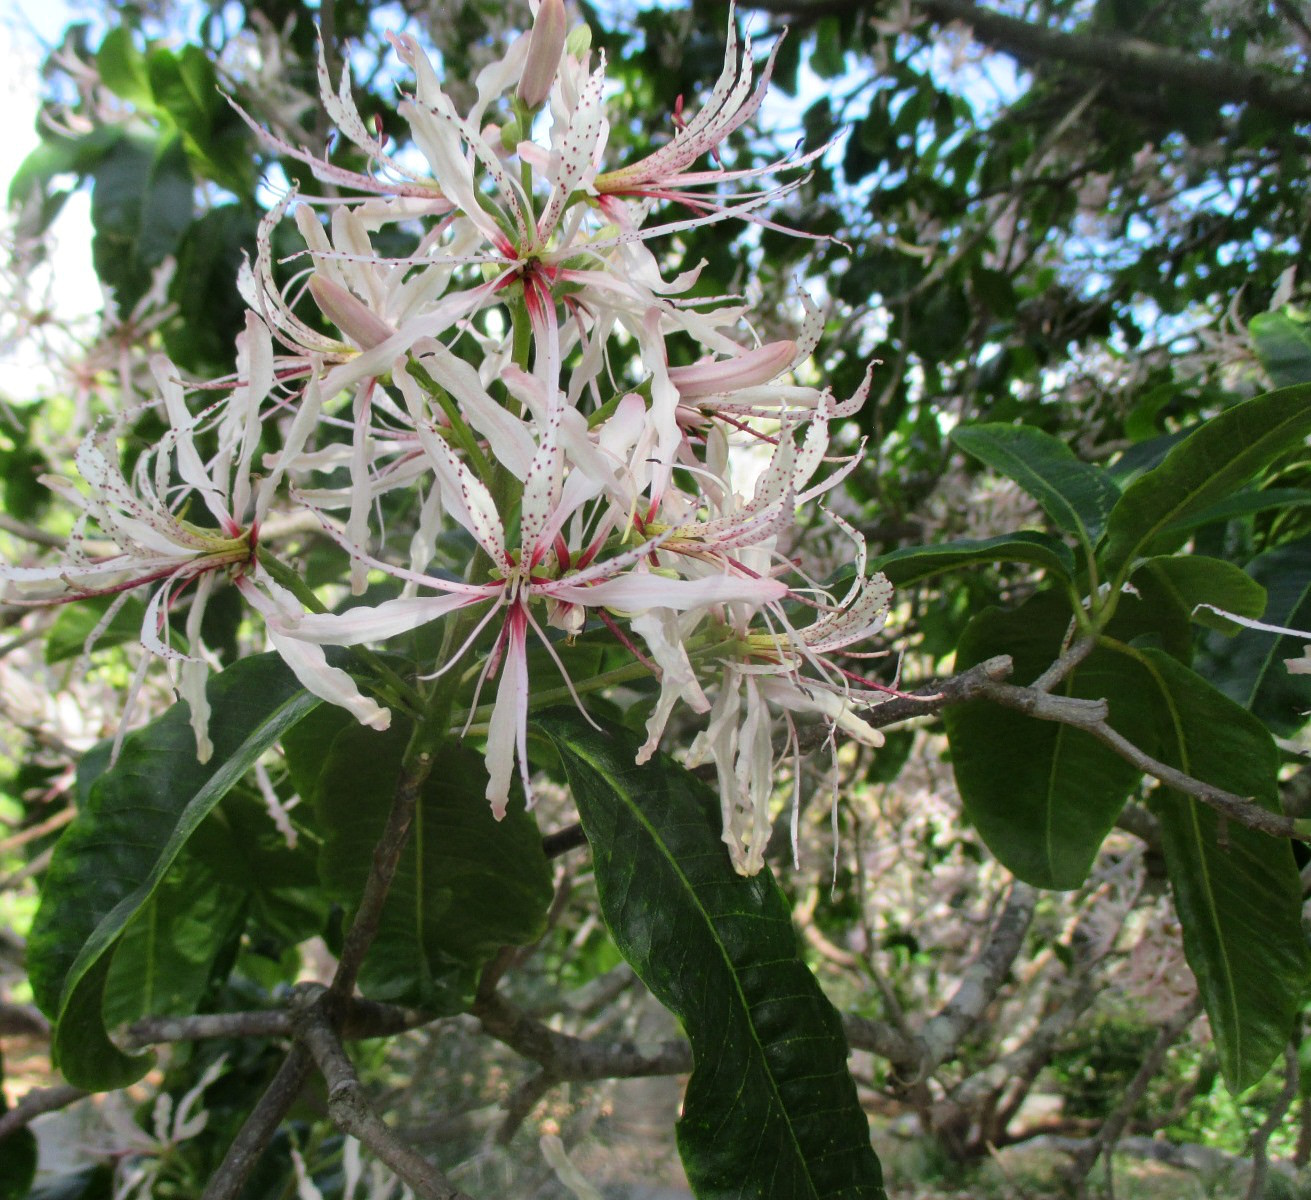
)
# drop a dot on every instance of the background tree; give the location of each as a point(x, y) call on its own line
point(1071, 233)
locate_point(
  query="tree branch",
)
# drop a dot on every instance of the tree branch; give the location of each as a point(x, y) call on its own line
point(1274, 1118)
point(37, 1103)
point(386, 858)
point(565, 1057)
point(1090, 716)
point(938, 694)
point(981, 981)
point(256, 1134)
point(362, 1019)
point(349, 1106)
point(1113, 56)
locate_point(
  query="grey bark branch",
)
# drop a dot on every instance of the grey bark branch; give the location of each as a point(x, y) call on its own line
point(256, 1134)
point(1113, 56)
point(938, 694)
point(981, 981)
point(1035, 1053)
point(362, 1019)
point(565, 1057)
point(386, 858)
point(349, 1105)
point(1090, 716)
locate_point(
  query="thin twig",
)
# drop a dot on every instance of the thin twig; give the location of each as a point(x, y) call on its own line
point(32, 832)
point(32, 867)
point(386, 858)
point(1090, 716)
point(982, 979)
point(522, 1102)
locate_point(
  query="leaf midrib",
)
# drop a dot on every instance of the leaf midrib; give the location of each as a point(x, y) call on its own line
point(728, 962)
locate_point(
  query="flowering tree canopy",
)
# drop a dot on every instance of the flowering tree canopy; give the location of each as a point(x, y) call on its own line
point(523, 515)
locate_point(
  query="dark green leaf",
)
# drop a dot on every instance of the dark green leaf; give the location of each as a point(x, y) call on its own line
point(115, 854)
point(1215, 460)
point(1077, 496)
point(1242, 505)
point(141, 205)
point(466, 885)
point(770, 1109)
point(165, 959)
point(913, 563)
point(1283, 344)
point(1236, 891)
point(1042, 795)
point(1193, 579)
point(1249, 667)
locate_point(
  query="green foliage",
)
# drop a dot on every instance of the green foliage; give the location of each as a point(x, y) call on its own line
point(911, 564)
point(1283, 344)
point(770, 1109)
point(1236, 891)
point(466, 884)
point(111, 861)
point(1210, 464)
point(1249, 667)
point(1042, 795)
point(1018, 269)
point(1075, 495)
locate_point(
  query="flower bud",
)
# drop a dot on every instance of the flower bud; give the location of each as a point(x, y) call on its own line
point(348, 313)
point(748, 369)
point(544, 50)
point(579, 41)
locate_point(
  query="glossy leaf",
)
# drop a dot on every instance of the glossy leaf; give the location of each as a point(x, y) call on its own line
point(1242, 505)
point(1215, 460)
point(466, 885)
point(913, 563)
point(165, 959)
point(770, 1109)
point(1236, 891)
point(1042, 795)
point(1193, 579)
point(110, 861)
point(1077, 496)
point(1249, 667)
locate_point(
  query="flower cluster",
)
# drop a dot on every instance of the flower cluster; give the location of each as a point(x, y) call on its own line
point(512, 373)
